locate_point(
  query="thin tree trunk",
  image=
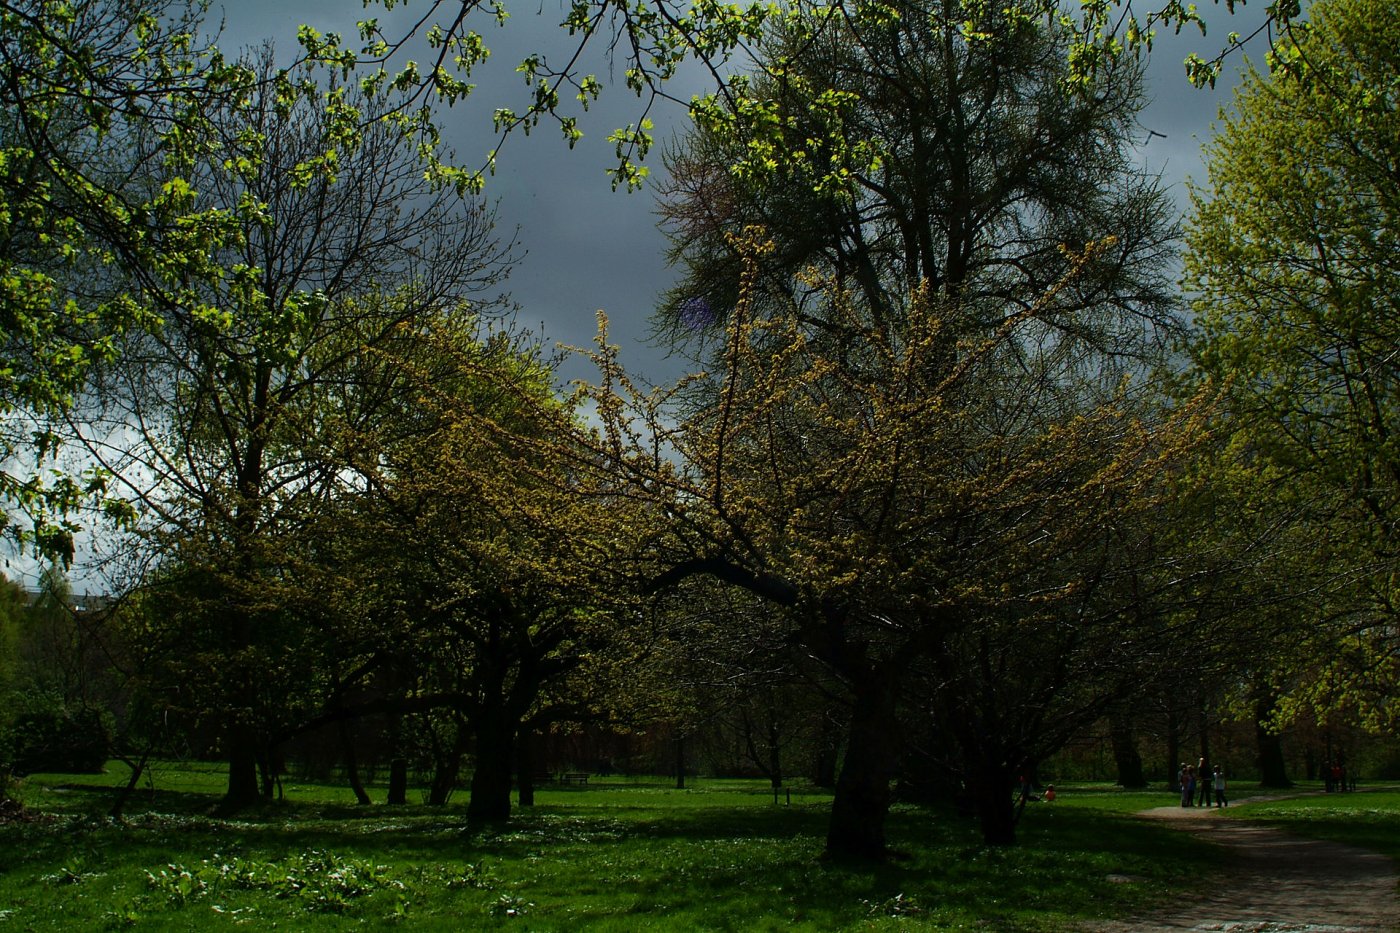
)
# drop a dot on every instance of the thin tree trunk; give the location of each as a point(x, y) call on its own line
point(525, 770)
point(352, 766)
point(1272, 770)
point(775, 762)
point(447, 765)
point(267, 772)
point(398, 781)
point(137, 769)
point(1126, 756)
point(828, 751)
point(398, 765)
point(1173, 751)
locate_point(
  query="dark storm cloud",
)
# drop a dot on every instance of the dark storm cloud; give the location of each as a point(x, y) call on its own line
point(590, 247)
point(586, 246)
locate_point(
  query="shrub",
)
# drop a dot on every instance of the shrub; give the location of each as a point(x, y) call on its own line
point(55, 740)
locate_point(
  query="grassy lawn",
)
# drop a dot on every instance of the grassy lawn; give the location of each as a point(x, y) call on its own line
point(618, 855)
point(1369, 818)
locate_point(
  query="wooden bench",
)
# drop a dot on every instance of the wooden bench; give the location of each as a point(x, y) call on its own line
point(574, 777)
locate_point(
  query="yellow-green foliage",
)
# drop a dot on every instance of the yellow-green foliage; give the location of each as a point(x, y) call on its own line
point(912, 477)
point(1292, 252)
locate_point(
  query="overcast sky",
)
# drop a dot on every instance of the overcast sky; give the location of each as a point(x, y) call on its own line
point(590, 247)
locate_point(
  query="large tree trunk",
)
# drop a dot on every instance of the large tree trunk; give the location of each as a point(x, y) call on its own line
point(495, 758)
point(996, 805)
point(1126, 756)
point(240, 736)
point(862, 801)
point(241, 745)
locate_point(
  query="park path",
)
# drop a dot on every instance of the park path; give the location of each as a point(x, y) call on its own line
point(1273, 882)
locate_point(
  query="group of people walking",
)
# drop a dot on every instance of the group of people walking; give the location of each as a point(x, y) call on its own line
point(1198, 783)
point(1336, 777)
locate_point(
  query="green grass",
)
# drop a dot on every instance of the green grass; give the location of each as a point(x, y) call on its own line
point(1368, 818)
point(1109, 798)
point(619, 855)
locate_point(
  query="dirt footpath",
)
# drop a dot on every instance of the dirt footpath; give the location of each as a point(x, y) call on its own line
point(1273, 882)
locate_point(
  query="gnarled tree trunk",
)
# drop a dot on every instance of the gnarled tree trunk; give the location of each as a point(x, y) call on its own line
point(862, 801)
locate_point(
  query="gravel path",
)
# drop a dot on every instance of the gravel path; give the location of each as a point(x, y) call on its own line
point(1275, 883)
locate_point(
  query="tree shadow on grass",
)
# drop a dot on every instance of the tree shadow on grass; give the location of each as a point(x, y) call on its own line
point(651, 859)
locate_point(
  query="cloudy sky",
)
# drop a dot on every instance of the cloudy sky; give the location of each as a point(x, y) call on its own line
point(590, 247)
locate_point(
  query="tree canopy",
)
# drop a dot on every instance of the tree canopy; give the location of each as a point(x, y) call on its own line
point(650, 43)
point(1292, 257)
point(92, 95)
point(988, 164)
point(232, 417)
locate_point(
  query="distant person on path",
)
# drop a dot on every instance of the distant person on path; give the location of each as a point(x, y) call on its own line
point(1188, 784)
point(1203, 784)
point(1219, 782)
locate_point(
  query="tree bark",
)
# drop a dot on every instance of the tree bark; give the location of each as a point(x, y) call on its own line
point(1272, 770)
point(138, 768)
point(862, 800)
point(828, 751)
point(352, 766)
point(1126, 756)
point(996, 806)
point(240, 737)
point(398, 765)
point(398, 781)
point(447, 765)
point(775, 760)
point(525, 770)
point(242, 747)
point(491, 779)
point(1173, 750)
